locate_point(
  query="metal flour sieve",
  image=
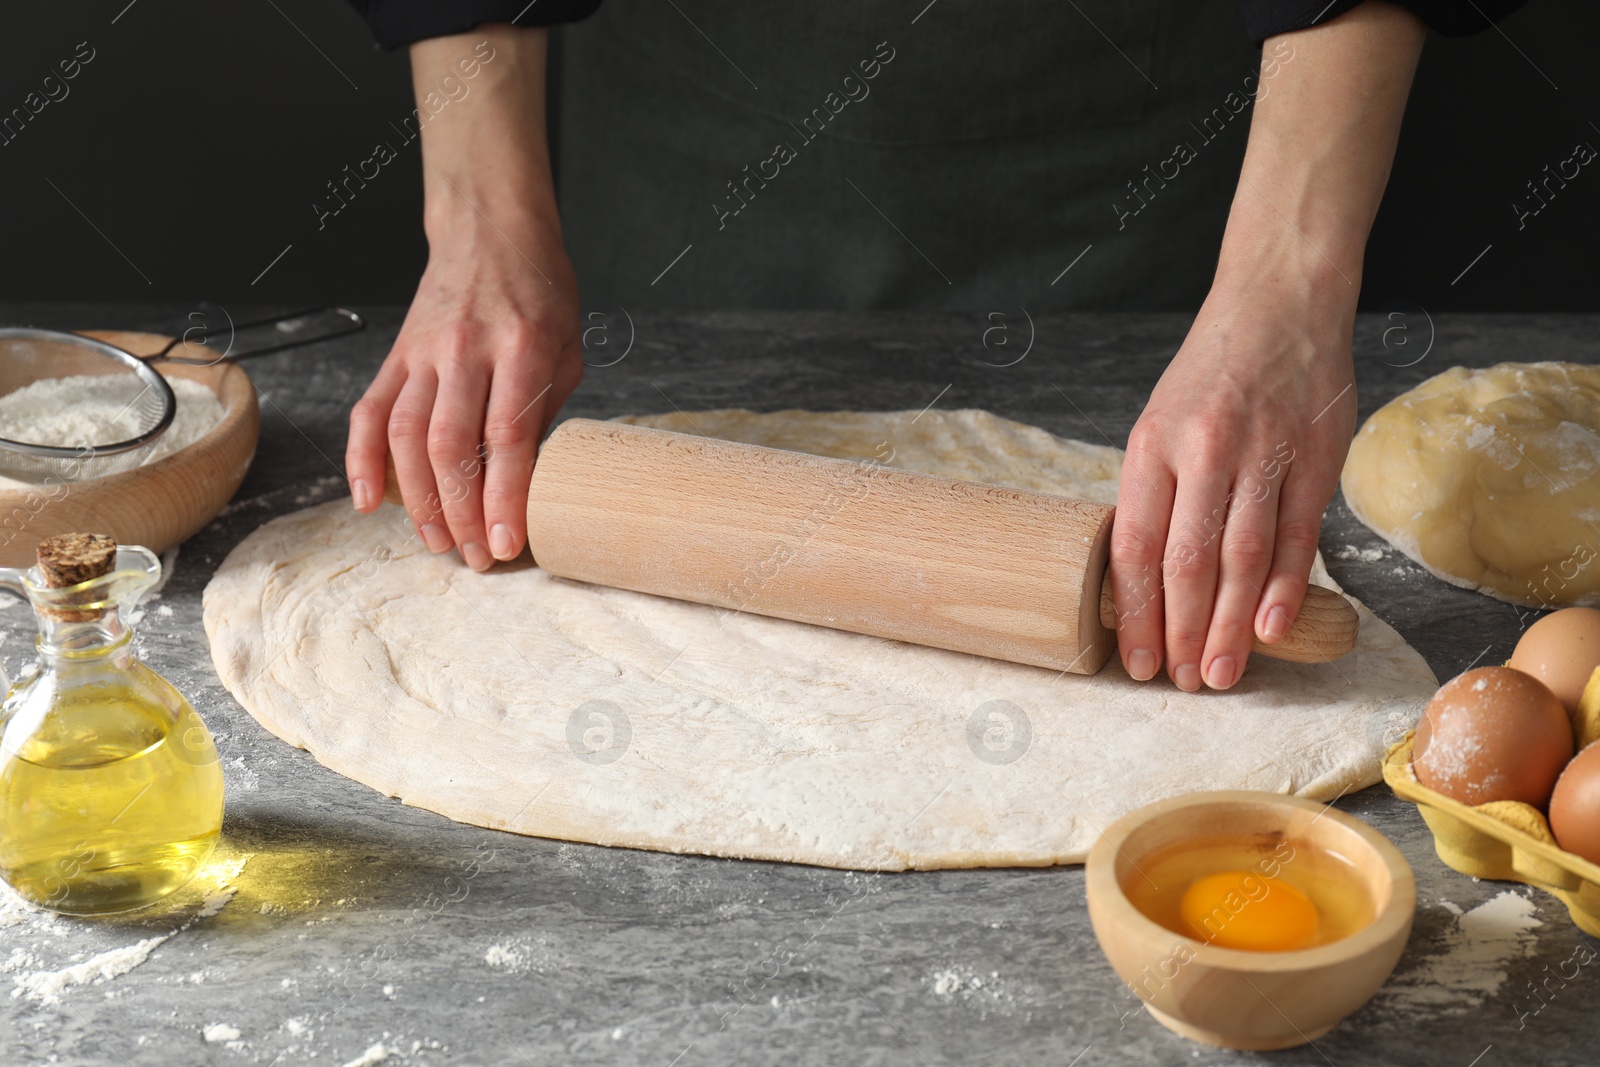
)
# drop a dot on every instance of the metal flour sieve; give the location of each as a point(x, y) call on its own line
point(28, 356)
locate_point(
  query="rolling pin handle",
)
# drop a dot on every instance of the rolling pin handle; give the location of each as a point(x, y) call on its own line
point(1324, 630)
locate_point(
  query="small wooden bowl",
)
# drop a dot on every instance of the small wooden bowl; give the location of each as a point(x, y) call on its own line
point(1235, 998)
point(157, 505)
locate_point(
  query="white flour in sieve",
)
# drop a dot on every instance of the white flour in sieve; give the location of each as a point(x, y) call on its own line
point(87, 409)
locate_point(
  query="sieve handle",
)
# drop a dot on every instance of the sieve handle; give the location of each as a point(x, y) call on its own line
point(281, 332)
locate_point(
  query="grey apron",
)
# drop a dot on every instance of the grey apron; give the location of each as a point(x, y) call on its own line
point(958, 155)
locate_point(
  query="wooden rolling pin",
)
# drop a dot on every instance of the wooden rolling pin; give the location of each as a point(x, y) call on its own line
point(856, 546)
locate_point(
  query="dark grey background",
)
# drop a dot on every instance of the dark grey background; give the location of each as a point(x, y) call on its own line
point(188, 153)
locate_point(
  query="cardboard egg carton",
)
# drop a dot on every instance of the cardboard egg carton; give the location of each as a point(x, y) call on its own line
point(1507, 840)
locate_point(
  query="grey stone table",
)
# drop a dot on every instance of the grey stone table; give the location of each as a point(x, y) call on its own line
point(356, 921)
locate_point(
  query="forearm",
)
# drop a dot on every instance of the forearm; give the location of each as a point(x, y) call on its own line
point(490, 348)
point(488, 149)
point(1327, 115)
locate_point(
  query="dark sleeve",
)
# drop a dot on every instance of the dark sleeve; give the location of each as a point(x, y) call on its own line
point(400, 22)
point(1454, 18)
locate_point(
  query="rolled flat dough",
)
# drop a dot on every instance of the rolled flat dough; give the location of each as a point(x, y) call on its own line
point(1490, 479)
point(522, 702)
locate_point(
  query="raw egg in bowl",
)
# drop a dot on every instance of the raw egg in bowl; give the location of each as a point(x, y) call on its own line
point(1249, 920)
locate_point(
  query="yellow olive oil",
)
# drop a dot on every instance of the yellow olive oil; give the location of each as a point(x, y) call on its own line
point(111, 792)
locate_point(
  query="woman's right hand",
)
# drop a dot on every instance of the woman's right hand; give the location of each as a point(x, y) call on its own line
point(491, 346)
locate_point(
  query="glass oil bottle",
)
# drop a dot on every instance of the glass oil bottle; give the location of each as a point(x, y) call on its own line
point(110, 784)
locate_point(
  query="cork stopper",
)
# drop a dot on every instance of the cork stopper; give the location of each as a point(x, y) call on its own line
point(69, 558)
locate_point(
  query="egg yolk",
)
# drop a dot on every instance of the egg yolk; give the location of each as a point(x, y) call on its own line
point(1241, 909)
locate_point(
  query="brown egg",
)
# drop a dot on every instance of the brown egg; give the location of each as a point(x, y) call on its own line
point(1575, 805)
point(1493, 734)
point(1561, 650)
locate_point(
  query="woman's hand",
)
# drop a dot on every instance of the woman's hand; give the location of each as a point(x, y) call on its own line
point(488, 353)
point(490, 348)
point(1236, 456)
point(1228, 472)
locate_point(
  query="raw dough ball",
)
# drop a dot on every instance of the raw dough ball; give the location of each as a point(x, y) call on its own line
point(1490, 479)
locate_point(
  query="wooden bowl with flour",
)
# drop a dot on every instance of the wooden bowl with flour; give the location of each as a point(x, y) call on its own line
point(159, 504)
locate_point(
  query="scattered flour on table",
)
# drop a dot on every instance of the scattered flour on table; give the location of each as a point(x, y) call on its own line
point(503, 956)
point(522, 955)
point(220, 1032)
point(223, 874)
point(1477, 948)
point(224, 871)
point(46, 987)
point(988, 993)
point(375, 1054)
point(88, 409)
point(1365, 555)
point(215, 901)
point(19, 958)
point(243, 777)
point(14, 910)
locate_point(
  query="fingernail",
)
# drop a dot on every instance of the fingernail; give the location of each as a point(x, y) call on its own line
point(500, 541)
point(477, 556)
point(436, 537)
point(1142, 664)
point(1223, 672)
point(1277, 624)
point(361, 494)
point(1187, 675)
